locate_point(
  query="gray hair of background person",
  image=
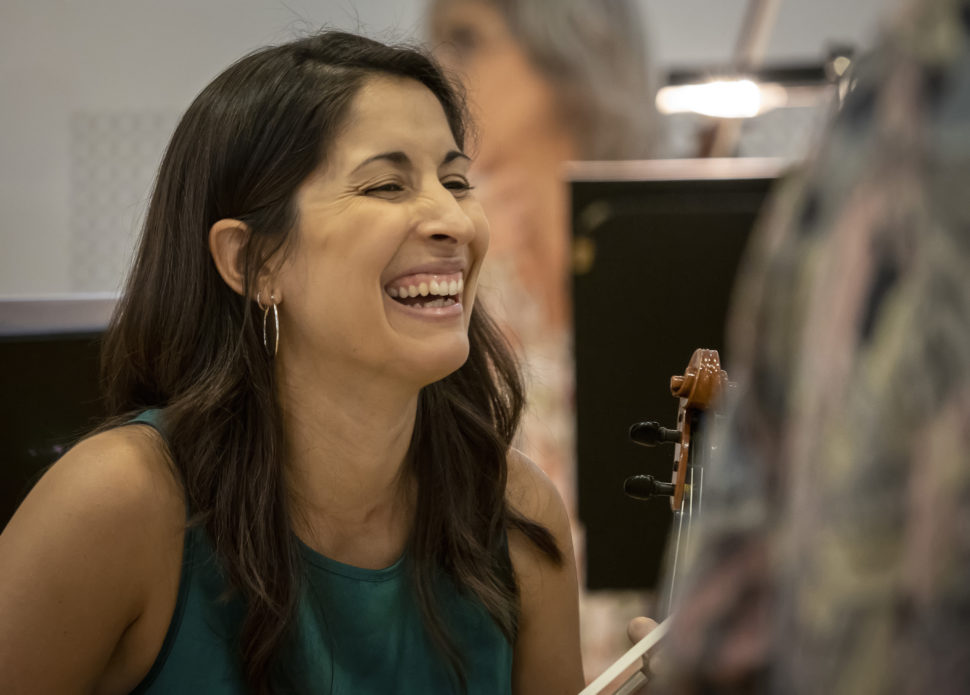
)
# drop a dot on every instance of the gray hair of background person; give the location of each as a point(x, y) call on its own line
point(594, 52)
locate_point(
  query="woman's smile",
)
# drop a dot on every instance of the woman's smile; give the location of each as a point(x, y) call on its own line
point(428, 295)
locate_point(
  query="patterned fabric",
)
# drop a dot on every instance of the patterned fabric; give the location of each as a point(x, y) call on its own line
point(834, 554)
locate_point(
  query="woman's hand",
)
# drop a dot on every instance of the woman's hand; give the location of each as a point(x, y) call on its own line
point(640, 628)
point(636, 630)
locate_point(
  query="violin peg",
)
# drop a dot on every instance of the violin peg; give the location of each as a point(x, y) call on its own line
point(644, 487)
point(652, 434)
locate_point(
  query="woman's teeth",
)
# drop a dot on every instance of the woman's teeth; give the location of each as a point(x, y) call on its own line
point(440, 301)
point(444, 289)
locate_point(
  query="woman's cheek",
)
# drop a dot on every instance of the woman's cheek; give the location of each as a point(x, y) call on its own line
point(482, 227)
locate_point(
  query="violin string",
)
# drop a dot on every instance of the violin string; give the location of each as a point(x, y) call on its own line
point(690, 513)
point(673, 573)
point(683, 538)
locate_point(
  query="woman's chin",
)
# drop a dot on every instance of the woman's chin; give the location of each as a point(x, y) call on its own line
point(432, 368)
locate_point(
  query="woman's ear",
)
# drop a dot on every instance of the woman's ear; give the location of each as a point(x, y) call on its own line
point(227, 243)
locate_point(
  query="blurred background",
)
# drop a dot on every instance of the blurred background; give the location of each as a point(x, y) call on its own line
point(91, 91)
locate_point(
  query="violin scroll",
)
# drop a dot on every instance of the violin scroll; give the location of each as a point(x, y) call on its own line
point(698, 389)
point(702, 381)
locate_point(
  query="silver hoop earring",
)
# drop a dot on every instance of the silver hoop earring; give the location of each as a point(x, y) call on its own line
point(276, 324)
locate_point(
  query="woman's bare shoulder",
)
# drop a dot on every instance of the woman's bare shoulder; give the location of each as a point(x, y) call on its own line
point(81, 558)
point(122, 474)
point(530, 492)
point(547, 657)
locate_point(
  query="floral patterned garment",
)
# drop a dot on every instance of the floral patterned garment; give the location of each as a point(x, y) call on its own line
point(834, 552)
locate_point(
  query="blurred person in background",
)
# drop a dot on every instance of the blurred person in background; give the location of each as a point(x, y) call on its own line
point(548, 81)
point(834, 552)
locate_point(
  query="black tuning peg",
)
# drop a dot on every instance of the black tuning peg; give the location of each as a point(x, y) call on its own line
point(652, 434)
point(643, 487)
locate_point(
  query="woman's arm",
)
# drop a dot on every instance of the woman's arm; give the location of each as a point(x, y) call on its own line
point(87, 556)
point(547, 655)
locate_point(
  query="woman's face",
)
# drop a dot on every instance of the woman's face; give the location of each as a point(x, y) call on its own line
point(389, 215)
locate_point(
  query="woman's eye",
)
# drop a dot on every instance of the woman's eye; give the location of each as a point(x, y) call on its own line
point(457, 185)
point(385, 188)
point(463, 41)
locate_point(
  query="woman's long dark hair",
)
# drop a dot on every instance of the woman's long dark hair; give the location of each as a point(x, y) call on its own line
point(183, 340)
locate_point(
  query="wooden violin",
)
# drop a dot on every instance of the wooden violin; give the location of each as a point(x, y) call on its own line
point(698, 390)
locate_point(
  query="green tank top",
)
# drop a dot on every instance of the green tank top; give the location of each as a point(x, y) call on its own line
point(357, 631)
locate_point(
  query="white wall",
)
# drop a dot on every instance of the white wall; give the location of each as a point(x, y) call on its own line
point(90, 89)
point(67, 66)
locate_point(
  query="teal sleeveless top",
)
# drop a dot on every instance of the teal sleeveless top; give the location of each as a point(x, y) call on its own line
point(357, 631)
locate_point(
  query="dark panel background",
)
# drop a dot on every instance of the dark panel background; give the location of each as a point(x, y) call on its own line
point(666, 254)
point(49, 397)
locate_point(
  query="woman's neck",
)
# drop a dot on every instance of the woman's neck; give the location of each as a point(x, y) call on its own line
point(346, 449)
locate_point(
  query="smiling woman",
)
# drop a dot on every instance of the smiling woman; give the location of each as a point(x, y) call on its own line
point(306, 484)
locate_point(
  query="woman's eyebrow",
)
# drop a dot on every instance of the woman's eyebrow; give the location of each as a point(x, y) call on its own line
point(453, 155)
point(400, 159)
point(397, 158)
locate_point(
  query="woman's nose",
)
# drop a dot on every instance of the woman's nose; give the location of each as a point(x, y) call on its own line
point(443, 219)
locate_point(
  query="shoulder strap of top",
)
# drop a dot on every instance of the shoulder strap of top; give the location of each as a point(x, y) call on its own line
point(154, 417)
